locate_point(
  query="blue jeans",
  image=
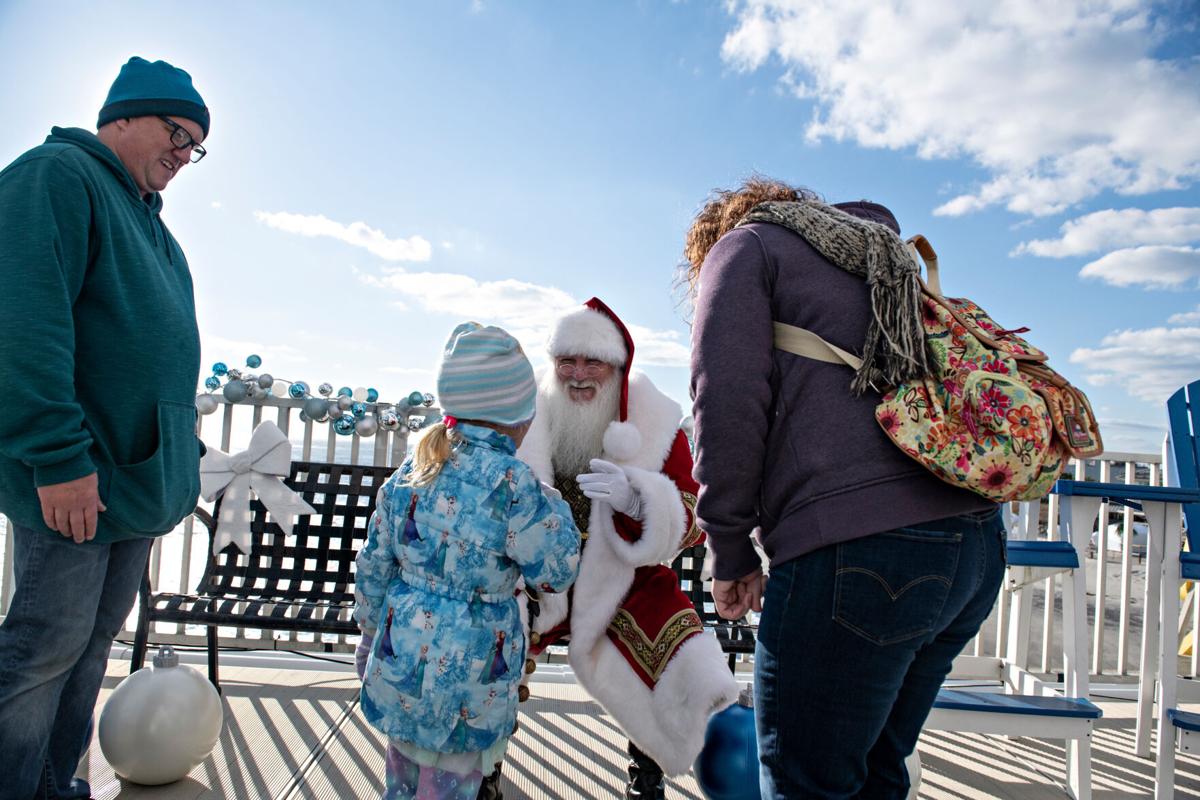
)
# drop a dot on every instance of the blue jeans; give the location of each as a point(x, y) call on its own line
point(70, 602)
point(854, 641)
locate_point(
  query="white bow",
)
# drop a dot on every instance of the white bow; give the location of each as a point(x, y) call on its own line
point(260, 468)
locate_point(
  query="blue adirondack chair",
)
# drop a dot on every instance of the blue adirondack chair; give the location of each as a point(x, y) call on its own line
point(1166, 566)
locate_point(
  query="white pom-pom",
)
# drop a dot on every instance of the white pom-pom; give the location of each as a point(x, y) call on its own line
point(622, 441)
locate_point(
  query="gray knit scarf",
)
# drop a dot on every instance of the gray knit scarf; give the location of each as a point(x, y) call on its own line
point(894, 349)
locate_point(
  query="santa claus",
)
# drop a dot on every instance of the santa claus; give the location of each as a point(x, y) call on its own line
point(610, 442)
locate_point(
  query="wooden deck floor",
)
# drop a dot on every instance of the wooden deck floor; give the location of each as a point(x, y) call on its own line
point(293, 734)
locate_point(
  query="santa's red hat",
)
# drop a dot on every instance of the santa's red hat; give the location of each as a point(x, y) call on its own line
point(595, 331)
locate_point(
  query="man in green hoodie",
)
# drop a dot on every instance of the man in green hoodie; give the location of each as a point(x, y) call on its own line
point(98, 450)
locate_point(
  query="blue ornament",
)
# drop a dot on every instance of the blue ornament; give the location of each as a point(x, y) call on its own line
point(219, 368)
point(212, 383)
point(253, 361)
point(359, 410)
point(344, 425)
point(235, 391)
point(416, 398)
point(298, 390)
point(345, 391)
point(727, 767)
point(372, 395)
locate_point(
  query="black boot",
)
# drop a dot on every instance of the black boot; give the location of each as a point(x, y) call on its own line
point(490, 788)
point(645, 777)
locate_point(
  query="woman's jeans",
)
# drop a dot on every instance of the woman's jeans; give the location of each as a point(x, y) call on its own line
point(71, 600)
point(854, 641)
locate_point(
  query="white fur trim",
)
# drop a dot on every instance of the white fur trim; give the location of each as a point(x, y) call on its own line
point(589, 333)
point(552, 609)
point(668, 723)
point(622, 441)
point(656, 417)
point(664, 520)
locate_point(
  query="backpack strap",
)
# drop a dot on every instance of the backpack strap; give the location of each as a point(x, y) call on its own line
point(803, 342)
point(922, 250)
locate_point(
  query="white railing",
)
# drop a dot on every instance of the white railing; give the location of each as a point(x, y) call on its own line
point(176, 563)
point(1115, 579)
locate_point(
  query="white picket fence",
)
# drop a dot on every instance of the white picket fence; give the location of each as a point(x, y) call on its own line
point(1115, 577)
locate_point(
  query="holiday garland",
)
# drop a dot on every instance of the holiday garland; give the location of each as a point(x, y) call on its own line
point(349, 411)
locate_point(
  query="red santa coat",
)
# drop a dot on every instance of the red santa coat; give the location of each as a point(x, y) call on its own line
point(636, 646)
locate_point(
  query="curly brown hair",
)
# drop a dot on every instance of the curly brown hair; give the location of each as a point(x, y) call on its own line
point(723, 210)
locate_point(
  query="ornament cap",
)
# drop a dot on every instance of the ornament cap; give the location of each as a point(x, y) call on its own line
point(746, 696)
point(166, 657)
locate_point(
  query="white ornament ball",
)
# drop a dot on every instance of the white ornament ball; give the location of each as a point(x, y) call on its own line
point(206, 403)
point(280, 388)
point(360, 393)
point(913, 762)
point(160, 722)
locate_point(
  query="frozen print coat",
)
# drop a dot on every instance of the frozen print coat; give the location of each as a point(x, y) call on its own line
point(435, 588)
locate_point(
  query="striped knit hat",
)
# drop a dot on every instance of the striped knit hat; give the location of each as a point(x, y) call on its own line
point(485, 375)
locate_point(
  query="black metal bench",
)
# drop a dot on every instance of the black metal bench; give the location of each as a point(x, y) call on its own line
point(298, 582)
point(305, 581)
point(736, 637)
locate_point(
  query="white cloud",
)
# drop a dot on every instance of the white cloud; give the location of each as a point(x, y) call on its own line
point(359, 234)
point(526, 310)
point(1185, 318)
point(1149, 364)
point(1152, 266)
point(1056, 102)
point(1109, 229)
point(1128, 436)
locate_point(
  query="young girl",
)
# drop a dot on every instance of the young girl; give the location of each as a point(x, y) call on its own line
point(454, 529)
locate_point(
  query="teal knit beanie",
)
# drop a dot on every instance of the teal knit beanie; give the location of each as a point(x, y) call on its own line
point(485, 375)
point(143, 89)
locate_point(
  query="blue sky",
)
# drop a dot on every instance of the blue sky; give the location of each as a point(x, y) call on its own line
point(381, 171)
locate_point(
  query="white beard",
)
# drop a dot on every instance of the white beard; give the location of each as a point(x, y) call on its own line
point(577, 429)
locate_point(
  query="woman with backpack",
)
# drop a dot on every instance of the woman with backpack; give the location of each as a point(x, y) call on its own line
point(880, 572)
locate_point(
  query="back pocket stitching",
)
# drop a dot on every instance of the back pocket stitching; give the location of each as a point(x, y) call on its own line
point(888, 587)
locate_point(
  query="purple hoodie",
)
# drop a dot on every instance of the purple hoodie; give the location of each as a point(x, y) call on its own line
point(781, 443)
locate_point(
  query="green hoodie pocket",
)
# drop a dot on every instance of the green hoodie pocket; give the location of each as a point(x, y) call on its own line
point(152, 496)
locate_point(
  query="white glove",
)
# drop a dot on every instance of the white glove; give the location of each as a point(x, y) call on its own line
point(607, 482)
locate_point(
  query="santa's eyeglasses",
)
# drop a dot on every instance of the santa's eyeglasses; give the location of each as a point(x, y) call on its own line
point(590, 368)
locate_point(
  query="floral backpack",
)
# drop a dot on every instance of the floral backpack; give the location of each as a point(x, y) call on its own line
point(992, 417)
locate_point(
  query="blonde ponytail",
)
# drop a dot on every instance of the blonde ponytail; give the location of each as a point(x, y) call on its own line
point(431, 454)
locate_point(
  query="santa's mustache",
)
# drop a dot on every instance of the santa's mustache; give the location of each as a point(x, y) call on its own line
point(588, 384)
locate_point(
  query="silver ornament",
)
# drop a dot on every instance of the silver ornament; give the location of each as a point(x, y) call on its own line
point(316, 408)
point(415, 423)
point(344, 402)
point(389, 420)
point(335, 412)
point(235, 391)
point(325, 389)
point(256, 392)
point(366, 426)
point(266, 381)
point(234, 374)
point(206, 403)
point(428, 399)
point(250, 377)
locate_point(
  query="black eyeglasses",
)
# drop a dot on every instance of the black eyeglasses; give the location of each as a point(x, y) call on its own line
point(182, 139)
